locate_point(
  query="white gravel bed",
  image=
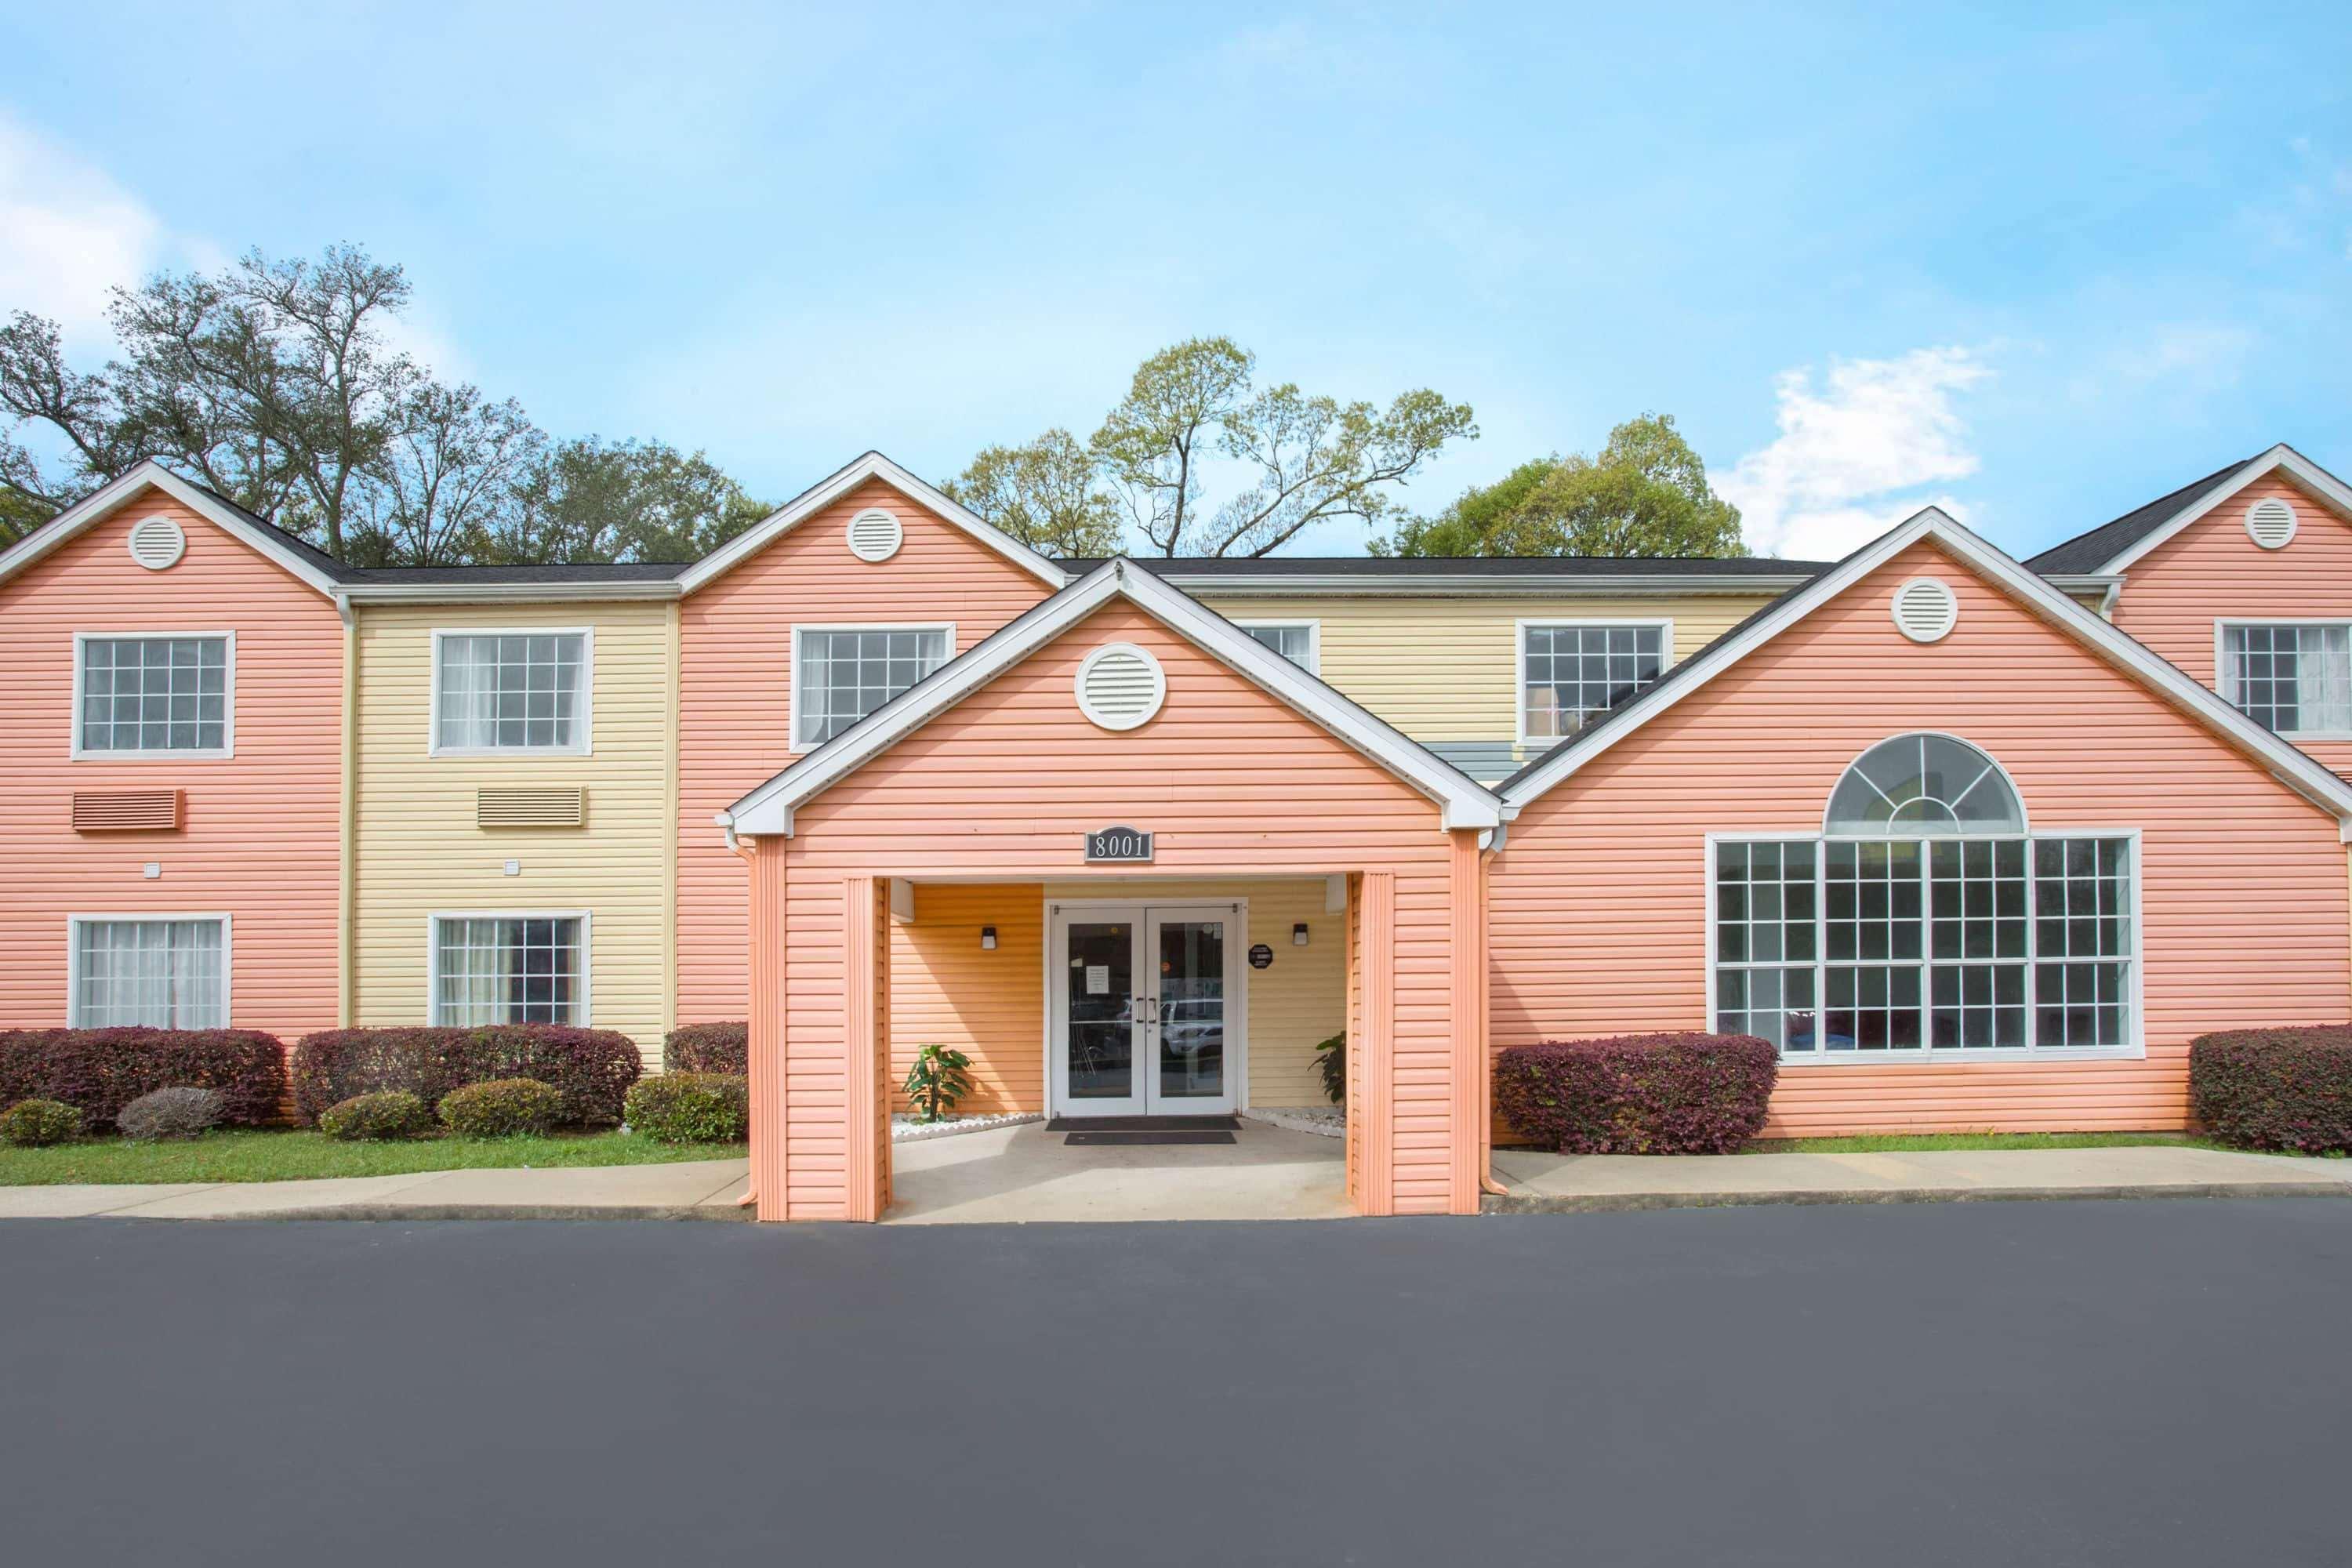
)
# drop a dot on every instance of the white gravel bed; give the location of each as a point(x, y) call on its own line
point(1324, 1120)
point(905, 1129)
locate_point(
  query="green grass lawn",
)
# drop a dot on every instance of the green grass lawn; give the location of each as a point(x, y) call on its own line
point(1910, 1142)
point(274, 1156)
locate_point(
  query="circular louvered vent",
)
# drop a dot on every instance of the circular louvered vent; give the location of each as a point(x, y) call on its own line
point(1121, 686)
point(1925, 609)
point(157, 542)
point(2271, 522)
point(875, 535)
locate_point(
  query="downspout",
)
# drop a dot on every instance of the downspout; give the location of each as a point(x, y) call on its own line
point(1488, 1183)
point(744, 849)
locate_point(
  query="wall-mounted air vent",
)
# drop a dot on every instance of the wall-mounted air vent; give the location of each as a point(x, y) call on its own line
point(560, 806)
point(157, 542)
point(875, 535)
point(1121, 686)
point(1925, 609)
point(127, 810)
point(2270, 522)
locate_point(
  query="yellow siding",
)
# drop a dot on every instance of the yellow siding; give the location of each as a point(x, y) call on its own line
point(991, 1006)
point(418, 852)
point(1447, 668)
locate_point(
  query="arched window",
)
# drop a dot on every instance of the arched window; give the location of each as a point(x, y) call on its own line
point(1924, 785)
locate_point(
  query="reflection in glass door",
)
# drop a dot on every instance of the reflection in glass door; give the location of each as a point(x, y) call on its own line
point(1099, 1018)
point(1190, 1020)
point(1145, 1010)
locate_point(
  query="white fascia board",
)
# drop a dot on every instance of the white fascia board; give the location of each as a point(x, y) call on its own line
point(78, 519)
point(768, 809)
point(872, 466)
point(1342, 585)
point(2281, 458)
point(2301, 773)
point(505, 592)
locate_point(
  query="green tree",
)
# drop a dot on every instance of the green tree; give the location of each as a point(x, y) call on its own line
point(1048, 494)
point(1644, 494)
point(591, 500)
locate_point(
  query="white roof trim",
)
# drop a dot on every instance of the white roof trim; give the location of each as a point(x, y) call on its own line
point(872, 466)
point(769, 809)
point(562, 591)
point(78, 519)
point(2293, 767)
point(2310, 475)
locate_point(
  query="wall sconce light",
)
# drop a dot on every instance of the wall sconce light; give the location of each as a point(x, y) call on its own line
point(987, 939)
point(1298, 934)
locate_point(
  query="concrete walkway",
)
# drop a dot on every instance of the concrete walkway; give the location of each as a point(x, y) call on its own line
point(693, 1189)
point(1026, 1176)
point(1543, 1183)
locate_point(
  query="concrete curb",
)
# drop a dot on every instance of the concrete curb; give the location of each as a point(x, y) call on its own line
point(1615, 1203)
point(726, 1213)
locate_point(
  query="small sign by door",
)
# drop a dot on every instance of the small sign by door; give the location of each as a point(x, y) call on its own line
point(1117, 843)
point(1261, 956)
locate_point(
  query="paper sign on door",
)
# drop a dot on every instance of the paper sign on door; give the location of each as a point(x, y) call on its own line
point(1097, 979)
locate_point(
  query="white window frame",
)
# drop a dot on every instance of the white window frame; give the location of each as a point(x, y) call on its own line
point(585, 1014)
point(143, 917)
point(1314, 665)
point(227, 749)
point(2223, 683)
point(1520, 659)
point(583, 746)
point(2135, 1045)
point(800, 633)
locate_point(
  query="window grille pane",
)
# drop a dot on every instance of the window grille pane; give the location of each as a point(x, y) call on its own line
point(1872, 901)
point(845, 674)
point(1296, 644)
point(154, 694)
point(1574, 674)
point(506, 970)
point(1766, 932)
point(2293, 679)
point(161, 974)
point(1872, 1008)
point(2082, 940)
point(510, 693)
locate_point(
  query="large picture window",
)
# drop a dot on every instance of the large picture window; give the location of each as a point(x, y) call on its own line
point(153, 694)
point(510, 692)
point(1925, 920)
point(1571, 673)
point(2293, 678)
point(165, 971)
point(840, 674)
point(509, 969)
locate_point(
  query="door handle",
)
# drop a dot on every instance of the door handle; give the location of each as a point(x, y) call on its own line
point(1146, 1011)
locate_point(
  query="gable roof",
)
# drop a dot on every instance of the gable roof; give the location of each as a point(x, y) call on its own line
point(2113, 546)
point(839, 483)
point(312, 566)
point(1470, 574)
point(2303, 773)
point(769, 809)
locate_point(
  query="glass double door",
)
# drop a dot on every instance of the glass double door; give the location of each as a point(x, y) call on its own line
point(1141, 1004)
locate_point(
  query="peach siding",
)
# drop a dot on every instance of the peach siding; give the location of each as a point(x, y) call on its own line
point(735, 691)
point(991, 1006)
point(261, 840)
point(1231, 781)
point(1599, 901)
point(2211, 571)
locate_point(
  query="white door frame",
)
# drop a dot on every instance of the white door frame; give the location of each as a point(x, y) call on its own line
point(1143, 914)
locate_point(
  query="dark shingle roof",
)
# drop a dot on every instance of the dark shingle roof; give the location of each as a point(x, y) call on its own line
point(1405, 568)
point(2091, 551)
point(592, 572)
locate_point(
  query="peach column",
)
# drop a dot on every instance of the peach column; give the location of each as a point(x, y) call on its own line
point(766, 1056)
point(1467, 876)
point(862, 1177)
point(1376, 948)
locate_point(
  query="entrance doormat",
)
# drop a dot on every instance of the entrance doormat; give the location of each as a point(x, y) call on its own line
point(1128, 1139)
point(1144, 1124)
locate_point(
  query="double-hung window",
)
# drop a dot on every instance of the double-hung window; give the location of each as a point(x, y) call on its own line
point(510, 692)
point(1925, 920)
point(1572, 672)
point(160, 972)
point(2292, 677)
point(153, 695)
point(509, 969)
point(1297, 641)
point(840, 674)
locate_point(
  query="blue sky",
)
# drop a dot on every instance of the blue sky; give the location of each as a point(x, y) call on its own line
point(2036, 266)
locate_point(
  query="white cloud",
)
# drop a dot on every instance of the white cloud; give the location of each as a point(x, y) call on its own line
point(1853, 454)
point(72, 234)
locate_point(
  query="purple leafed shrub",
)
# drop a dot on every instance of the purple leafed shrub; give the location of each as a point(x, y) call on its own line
point(592, 1069)
point(100, 1071)
point(2275, 1089)
point(1638, 1094)
point(707, 1047)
